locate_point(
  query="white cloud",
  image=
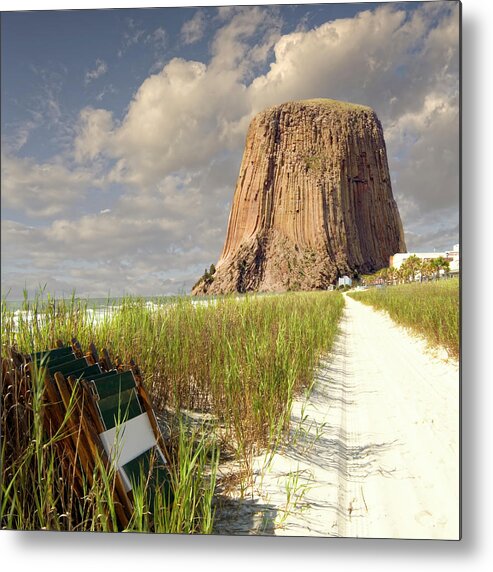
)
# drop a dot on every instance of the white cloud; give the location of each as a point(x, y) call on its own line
point(362, 59)
point(181, 117)
point(101, 67)
point(133, 34)
point(107, 90)
point(167, 229)
point(193, 30)
point(178, 119)
point(152, 240)
point(93, 130)
point(20, 135)
point(45, 104)
point(42, 190)
point(425, 146)
point(245, 40)
point(158, 38)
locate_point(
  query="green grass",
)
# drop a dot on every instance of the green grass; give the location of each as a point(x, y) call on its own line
point(241, 362)
point(429, 308)
point(336, 104)
point(43, 489)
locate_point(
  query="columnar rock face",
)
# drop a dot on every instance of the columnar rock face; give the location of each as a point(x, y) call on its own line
point(313, 201)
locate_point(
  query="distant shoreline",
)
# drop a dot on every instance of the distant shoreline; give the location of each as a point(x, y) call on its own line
point(92, 302)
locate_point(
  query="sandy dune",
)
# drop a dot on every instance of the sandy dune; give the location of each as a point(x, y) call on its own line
point(374, 450)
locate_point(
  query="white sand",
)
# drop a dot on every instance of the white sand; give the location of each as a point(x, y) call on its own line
point(375, 448)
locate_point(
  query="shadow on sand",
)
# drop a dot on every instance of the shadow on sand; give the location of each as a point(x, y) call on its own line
point(245, 516)
point(313, 443)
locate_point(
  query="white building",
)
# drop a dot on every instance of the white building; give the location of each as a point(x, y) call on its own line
point(397, 260)
point(453, 257)
point(344, 281)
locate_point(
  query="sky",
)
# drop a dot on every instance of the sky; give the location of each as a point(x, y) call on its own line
point(123, 130)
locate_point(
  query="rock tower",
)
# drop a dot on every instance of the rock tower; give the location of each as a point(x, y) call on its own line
point(313, 201)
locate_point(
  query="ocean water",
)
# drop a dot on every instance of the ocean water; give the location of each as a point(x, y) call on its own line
point(91, 303)
point(97, 309)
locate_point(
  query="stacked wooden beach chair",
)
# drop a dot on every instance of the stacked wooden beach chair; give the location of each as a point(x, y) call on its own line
point(106, 416)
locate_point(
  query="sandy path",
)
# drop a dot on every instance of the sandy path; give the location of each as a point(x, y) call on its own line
point(374, 450)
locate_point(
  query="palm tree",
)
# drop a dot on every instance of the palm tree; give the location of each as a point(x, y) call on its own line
point(411, 267)
point(402, 274)
point(393, 275)
point(383, 275)
point(441, 263)
point(427, 268)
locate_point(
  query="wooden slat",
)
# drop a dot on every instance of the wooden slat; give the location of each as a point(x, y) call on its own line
point(54, 415)
point(80, 445)
point(108, 365)
point(92, 410)
point(147, 403)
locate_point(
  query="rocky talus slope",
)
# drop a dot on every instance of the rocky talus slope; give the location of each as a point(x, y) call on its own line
point(313, 201)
